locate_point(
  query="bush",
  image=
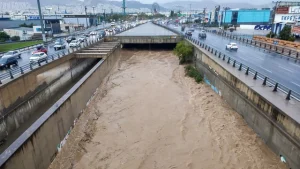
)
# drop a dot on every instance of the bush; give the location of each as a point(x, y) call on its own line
point(193, 73)
point(4, 37)
point(271, 35)
point(15, 38)
point(285, 34)
point(184, 51)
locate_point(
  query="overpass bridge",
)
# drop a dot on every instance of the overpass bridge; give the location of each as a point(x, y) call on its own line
point(275, 119)
point(147, 34)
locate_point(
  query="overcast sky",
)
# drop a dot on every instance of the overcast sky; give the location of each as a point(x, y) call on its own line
point(221, 1)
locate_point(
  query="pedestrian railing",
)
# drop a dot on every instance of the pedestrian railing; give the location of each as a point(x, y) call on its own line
point(266, 81)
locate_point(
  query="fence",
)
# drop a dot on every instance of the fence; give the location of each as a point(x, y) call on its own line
point(248, 70)
point(293, 53)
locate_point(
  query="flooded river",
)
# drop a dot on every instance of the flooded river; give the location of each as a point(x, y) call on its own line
point(148, 115)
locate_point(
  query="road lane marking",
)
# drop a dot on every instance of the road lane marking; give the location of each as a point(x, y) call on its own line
point(296, 84)
point(266, 69)
point(286, 69)
point(294, 64)
point(258, 58)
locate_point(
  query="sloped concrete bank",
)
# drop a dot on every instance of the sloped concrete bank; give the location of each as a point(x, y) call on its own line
point(37, 146)
point(267, 112)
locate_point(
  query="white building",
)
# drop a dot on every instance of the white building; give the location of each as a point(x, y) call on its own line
point(22, 32)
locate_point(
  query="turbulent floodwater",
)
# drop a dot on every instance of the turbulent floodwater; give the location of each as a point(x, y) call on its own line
point(148, 115)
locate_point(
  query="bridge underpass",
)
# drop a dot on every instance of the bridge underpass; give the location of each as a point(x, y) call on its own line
point(145, 114)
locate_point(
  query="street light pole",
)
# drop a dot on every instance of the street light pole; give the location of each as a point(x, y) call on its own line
point(93, 14)
point(85, 8)
point(41, 21)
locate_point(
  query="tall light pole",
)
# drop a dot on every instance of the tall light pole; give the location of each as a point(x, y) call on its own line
point(85, 8)
point(41, 20)
point(93, 14)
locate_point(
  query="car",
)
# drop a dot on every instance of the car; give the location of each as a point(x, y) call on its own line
point(112, 24)
point(192, 30)
point(102, 33)
point(232, 46)
point(40, 49)
point(202, 35)
point(74, 43)
point(82, 39)
point(14, 53)
point(188, 33)
point(38, 57)
point(93, 33)
point(70, 38)
point(7, 61)
point(59, 44)
point(86, 35)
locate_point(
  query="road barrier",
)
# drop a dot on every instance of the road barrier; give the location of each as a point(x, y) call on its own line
point(267, 81)
point(13, 73)
point(292, 53)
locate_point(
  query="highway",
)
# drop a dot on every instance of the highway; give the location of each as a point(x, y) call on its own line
point(26, 54)
point(273, 65)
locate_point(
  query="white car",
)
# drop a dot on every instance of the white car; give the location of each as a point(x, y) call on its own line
point(15, 54)
point(232, 46)
point(74, 43)
point(93, 33)
point(38, 57)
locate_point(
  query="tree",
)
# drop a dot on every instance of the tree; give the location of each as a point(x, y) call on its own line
point(285, 34)
point(15, 38)
point(6, 13)
point(184, 51)
point(27, 26)
point(271, 35)
point(4, 37)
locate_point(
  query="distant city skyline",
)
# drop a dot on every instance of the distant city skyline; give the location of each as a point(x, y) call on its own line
point(256, 2)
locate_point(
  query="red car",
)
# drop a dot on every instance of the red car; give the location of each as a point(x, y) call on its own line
point(40, 49)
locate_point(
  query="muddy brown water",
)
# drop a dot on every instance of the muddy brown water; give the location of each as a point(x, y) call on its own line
point(148, 115)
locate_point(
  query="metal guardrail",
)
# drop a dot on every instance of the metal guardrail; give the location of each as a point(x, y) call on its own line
point(267, 81)
point(242, 67)
point(293, 53)
point(12, 73)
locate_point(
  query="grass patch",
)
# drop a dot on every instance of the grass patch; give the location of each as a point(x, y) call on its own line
point(12, 46)
point(192, 72)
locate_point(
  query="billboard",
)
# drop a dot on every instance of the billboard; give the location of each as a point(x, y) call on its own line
point(294, 10)
point(282, 10)
point(287, 18)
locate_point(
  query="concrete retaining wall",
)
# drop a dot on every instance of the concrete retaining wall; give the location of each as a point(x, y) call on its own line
point(23, 87)
point(20, 114)
point(36, 147)
point(276, 128)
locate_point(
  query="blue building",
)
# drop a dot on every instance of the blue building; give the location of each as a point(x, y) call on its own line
point(247, 16)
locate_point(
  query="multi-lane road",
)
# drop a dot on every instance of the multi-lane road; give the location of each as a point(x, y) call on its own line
point(276, 66)
point(27, 53)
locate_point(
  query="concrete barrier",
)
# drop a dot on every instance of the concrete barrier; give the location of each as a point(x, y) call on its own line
point(271, 118)
point(37, 146)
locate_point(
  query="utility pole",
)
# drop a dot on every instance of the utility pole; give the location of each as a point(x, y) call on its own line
point(93, 14)
point(41, 21)
point(273, 18)
point(85, 8)
point(124, 7)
